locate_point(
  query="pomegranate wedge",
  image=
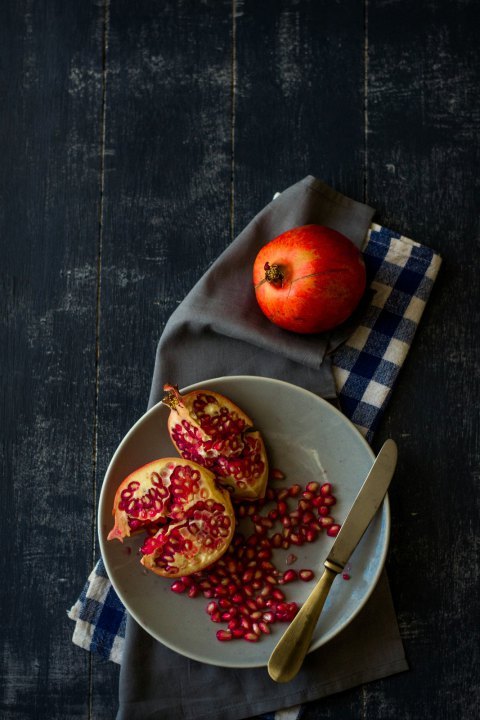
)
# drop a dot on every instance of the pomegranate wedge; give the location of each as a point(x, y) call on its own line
point(211, 430)
point(192, 516)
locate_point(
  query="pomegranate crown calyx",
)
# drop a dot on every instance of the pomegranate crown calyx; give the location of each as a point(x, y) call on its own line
point(172, 398)
point(273, 273)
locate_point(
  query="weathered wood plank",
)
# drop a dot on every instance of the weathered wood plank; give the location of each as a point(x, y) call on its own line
point(50, 60)
point(423, 158)
point(299, 98)
point(166, 202)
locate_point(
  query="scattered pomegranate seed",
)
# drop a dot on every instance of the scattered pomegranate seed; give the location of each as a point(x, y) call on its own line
point(346, 576)
point(277, 474)
point(333, 530)
point(306, 575)
point(243, 586)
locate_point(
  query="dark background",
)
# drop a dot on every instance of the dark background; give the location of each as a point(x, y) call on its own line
point(137, 139)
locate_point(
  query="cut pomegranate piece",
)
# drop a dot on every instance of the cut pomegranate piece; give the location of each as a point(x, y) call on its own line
point(211, 430)
point(193, 517)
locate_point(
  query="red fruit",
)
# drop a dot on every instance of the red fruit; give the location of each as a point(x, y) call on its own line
point(309, 279)
point(195, 517)
point(209, 429)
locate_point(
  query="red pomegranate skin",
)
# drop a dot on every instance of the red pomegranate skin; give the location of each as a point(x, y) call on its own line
point(318, 282)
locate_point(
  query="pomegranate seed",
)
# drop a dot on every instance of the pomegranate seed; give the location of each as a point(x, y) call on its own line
point(323, 510)
point(296, 539)
point(289, 576)
point(290, 559)
point(276, 540)
point(333, 530)
point(326, 521)
point(211, 607)
point(264, 628)
point(178, 587)
point(313, 487)
point(277, 474)
point(193, 591)
point(224, 635)
point(326, 489)
point(346, 576)
point(238, 633)
point(282, 507)
point(245, 623)
point(311, 534)
point(294, 490)
point(329, 500)
point(251, 637)
point(306, 575)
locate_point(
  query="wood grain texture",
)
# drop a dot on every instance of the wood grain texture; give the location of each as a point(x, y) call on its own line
point(299, 99)
point(137, 140)
point(423, 157)
point(51, 88)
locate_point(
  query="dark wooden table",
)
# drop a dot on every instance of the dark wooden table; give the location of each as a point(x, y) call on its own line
point(137, 139)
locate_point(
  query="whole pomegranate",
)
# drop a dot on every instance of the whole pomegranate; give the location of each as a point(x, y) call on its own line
point(211, 430)
point(190, 519)
point(309, 279)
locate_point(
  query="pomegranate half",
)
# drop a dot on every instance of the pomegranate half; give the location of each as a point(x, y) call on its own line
point(211, 430)
point(192, 516)
point(309, 279)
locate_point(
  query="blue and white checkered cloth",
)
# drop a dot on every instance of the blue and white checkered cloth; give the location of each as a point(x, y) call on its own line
point(400, 274)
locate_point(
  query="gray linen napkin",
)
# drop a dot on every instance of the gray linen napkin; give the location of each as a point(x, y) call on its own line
point(219, 330)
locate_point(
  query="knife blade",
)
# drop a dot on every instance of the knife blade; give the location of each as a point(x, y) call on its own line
point(289, 653)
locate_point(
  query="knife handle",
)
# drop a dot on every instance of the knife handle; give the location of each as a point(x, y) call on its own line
point(289, 653)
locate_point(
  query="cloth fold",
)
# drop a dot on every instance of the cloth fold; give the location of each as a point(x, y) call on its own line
point(361, 373)
point(219, 329)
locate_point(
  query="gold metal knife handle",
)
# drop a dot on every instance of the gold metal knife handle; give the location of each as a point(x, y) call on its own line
point(289, 654)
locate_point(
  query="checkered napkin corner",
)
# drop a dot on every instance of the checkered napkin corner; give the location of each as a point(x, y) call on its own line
point(400, 274)
point(100, 618)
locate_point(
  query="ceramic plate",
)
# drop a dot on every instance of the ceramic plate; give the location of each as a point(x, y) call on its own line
point(309, 440)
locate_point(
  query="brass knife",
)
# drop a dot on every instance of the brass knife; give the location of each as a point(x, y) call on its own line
point(289, 653)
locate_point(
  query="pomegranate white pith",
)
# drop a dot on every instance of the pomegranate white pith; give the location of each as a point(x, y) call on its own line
point(210, 429)
point(192, 518)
